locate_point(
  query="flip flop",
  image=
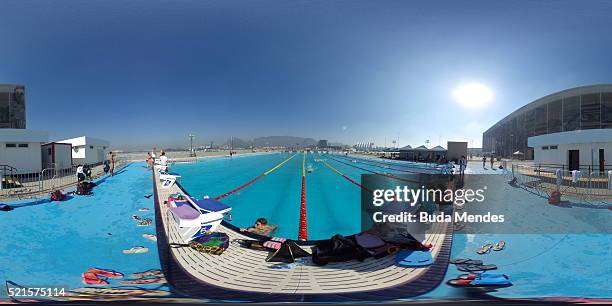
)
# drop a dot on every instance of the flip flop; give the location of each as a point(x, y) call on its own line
point(500, 245)
point(136, 250)
point(151, 272)
point(465, 261)
point(485, 249)
point(475, 268)
point(148, 196)
point(145, 222)
point(150, 237)
point(90, 278)
point(105, 273)
point(135, 217)
point(144, 281)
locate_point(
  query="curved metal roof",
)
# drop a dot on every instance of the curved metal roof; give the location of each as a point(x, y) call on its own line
point(572, 92)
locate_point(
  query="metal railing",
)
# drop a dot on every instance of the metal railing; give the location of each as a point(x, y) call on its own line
point(584, 186)
point(16, 185)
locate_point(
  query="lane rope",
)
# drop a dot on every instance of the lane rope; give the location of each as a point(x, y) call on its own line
point(255, 179)
point(378, 173)
point(303, 231)
point(373, 164)
point(346, 177)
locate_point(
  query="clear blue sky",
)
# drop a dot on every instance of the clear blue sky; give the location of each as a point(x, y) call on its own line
point(144, 72)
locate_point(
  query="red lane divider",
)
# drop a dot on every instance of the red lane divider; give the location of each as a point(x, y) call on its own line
point(303, 233)
point(346, 177)
point(239, 188)
point(255, 179)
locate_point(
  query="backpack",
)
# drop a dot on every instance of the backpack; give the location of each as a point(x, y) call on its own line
point(57, 195)
point(214, 244)
point(84, 188)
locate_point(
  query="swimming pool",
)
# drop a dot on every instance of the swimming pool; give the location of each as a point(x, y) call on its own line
point(52, 243)
point(332, 201)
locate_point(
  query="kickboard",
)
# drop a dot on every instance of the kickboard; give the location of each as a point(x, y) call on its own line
point(410, 258)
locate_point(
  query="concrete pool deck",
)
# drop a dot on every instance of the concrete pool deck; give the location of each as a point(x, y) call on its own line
point(243, 274)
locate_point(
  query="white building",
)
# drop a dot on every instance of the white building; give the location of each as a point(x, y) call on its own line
point(579, 150)
point(87, 150)
point(56, 155)
point(21, 149)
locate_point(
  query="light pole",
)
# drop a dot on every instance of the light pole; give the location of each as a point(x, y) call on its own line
point(191, 151)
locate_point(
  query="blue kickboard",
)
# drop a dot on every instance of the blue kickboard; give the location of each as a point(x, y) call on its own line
point(410, 258)
point(502, 281)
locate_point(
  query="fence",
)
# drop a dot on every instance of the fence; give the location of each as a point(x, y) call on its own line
point(16, 185)
point(585, 186)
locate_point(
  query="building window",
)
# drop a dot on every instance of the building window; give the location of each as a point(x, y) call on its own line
point(590, 116)
point(554, 147)
point(49, 151)
point(23, 145)
point(545, 148)
point(555, 109)
point(541, 124)
point(11, 145)
point(571, 114)
point(91, 147)
point(606, 110)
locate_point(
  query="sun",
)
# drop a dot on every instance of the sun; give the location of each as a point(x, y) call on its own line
point(473, 95)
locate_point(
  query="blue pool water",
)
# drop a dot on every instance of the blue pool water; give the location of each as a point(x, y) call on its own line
point(53, 244)
point(332, 202)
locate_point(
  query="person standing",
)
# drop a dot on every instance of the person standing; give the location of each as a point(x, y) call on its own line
point(80, 174)
point(492, 162)
point(484, 162)
point(149, 160)
point(111, 162)
point(462, 165)
point(163, 161)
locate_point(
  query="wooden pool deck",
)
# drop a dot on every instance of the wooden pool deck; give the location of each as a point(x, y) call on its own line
point(241, 274)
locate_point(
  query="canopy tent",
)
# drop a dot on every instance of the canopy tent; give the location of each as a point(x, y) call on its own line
point(406, 148)
point(438, 149)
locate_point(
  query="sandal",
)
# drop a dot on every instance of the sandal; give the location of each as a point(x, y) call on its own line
point(136, 250)
point(89, 278)
point(485, 249)
point(465, 261)
point(475, 268)
point(105, 273)
point(500, 245)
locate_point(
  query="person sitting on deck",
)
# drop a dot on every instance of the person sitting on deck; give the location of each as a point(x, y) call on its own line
point(261, 227)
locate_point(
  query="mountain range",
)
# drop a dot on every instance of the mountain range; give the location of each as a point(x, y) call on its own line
point(273, 141)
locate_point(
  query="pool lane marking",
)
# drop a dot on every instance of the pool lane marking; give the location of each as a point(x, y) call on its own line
point(394, 169)
point(344, 176)
point(413, 166)
point(378, 173)
point(255, 179)
point(303, 230)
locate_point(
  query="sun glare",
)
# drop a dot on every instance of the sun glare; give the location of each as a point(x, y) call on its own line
point(473, 95)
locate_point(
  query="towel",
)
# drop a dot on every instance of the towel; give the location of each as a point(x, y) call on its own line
point(575, 176)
